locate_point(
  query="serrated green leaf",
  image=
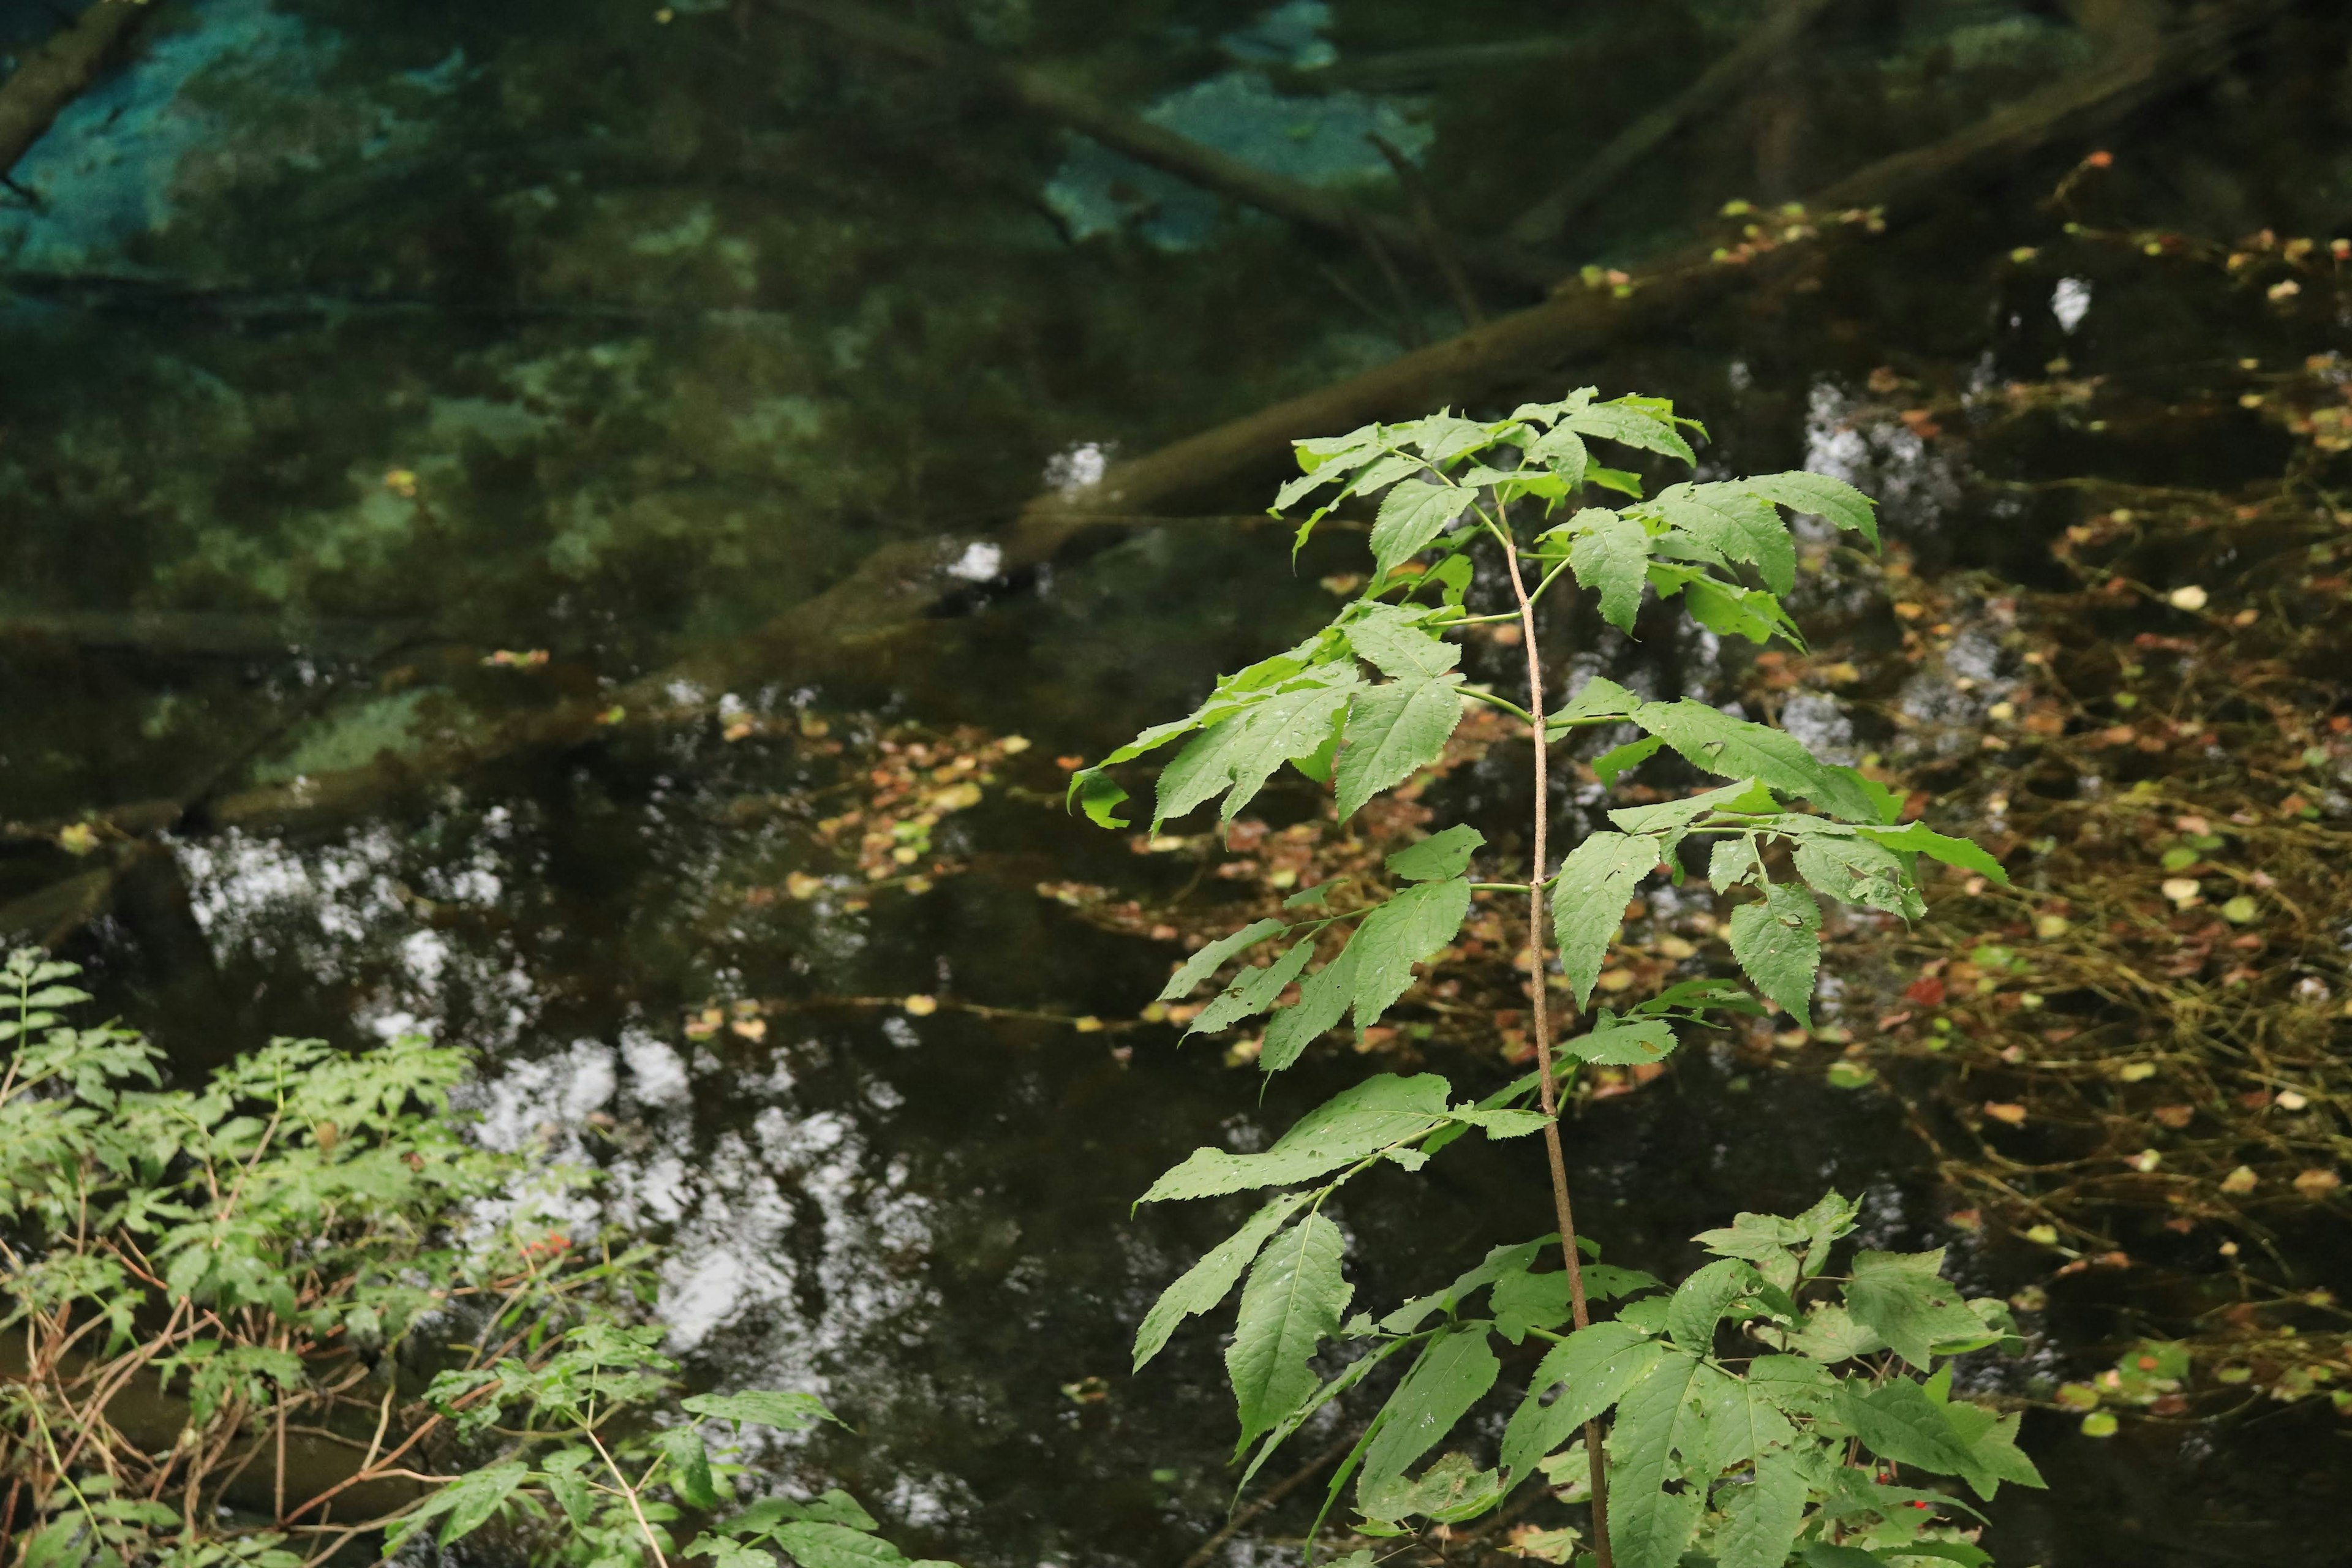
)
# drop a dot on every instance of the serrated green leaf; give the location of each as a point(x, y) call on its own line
point(1353, 1373)
point(1596, 1365)
point(1731, 862)
point(1795, 1384)
point(1520, 1301)
point(817, 1545)
point(1393, 731)
point(1823, 495)
point(763, 1407)
point(1992, 1438)
point(1620, 1042)
point(1658, 1424)
point(1407, 930)
point(1589, 899)
point(1411, 514)
point(1356, 447)
point(1611, 557)
point(1730, 609)
point(1294, 1301)
point(1562, 451)
point(1352, 1124)
point(1899, 1420)
point(1253, 991)
point(1391, 638)
point(1776, 942)
point(1901, 1297)
point(689, 1465)
point(1763, 1517)
point(1453, 1374)
point(1917, 838)
point(1203, 769)
point(1438, 856)
point(1324, 998)
point(1857, 872)
point(1208, 960)
point(472, 1500)
point(1699, 1301)
point(1208, 1281)
point(1630, 425)
point(1735, 748)
point(1740, 1422)
point(1442, 438)
point(1735, 524)
point(1315, 897)
point(1282, 728)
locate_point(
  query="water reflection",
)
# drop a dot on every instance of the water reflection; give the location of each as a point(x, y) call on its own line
point(414, 341)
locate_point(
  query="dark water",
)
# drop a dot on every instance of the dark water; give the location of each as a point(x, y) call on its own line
point(391, 337)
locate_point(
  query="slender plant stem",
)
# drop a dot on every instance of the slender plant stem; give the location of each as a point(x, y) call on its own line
point(1538, 962)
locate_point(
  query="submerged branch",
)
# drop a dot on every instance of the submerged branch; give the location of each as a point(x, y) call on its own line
point(61, 70)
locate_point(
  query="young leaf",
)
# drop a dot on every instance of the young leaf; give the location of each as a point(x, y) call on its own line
point(1618, 421)
point(1282, 728)
point(1206, 963)
point(1614, 765)
point(1294, 1301)
point(1407, 930)
point(1843, 504)
point(1611, 557)
point(1698, 1304)
point(1598, 698)
point(689, 1466)
point(1205, 1284)
point(1764, 1516)
point(1777, 943)
point(1411, 514)
point(1658, 1423)
point(1253, 991)
point(1454, 1373)
point(1858, 872)
point(1597, 1365)
point(1900, 1421)
point(1437, 856)
point(1918, 838)
point(1393, 731)
point(1734, 524)
point(1734, 748)
point(1323, 1000)
point(816, 1545)
point(1391, 639)
point(1098, 794)
point(1562, 451)
point(1345, 1128)
point(1620, 1042)
point(1589, 899)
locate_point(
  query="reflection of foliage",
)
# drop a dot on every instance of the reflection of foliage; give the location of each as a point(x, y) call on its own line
point(2139, 1047)
point(230, 1301)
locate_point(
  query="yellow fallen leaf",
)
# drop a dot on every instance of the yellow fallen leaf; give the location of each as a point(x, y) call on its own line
point(78, 839)
point(2193, 597)
point(2317, 1184)
point(2003, 1112)
point(801, 885)
point(2240, 1181)
point(920, 1006)
point(750, 1029)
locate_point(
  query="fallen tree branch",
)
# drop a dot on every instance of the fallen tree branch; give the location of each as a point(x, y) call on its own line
point(1040, 92)
point(1541, 223)
point(59, 71)
point(897, 587)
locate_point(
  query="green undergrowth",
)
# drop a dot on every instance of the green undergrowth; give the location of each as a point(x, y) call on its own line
point(295, 1315)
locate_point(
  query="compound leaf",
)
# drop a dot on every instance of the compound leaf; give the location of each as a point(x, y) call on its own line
point(1413, 512)
point(1204, 964)
point(1843, 504)
point(1597, 1365)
